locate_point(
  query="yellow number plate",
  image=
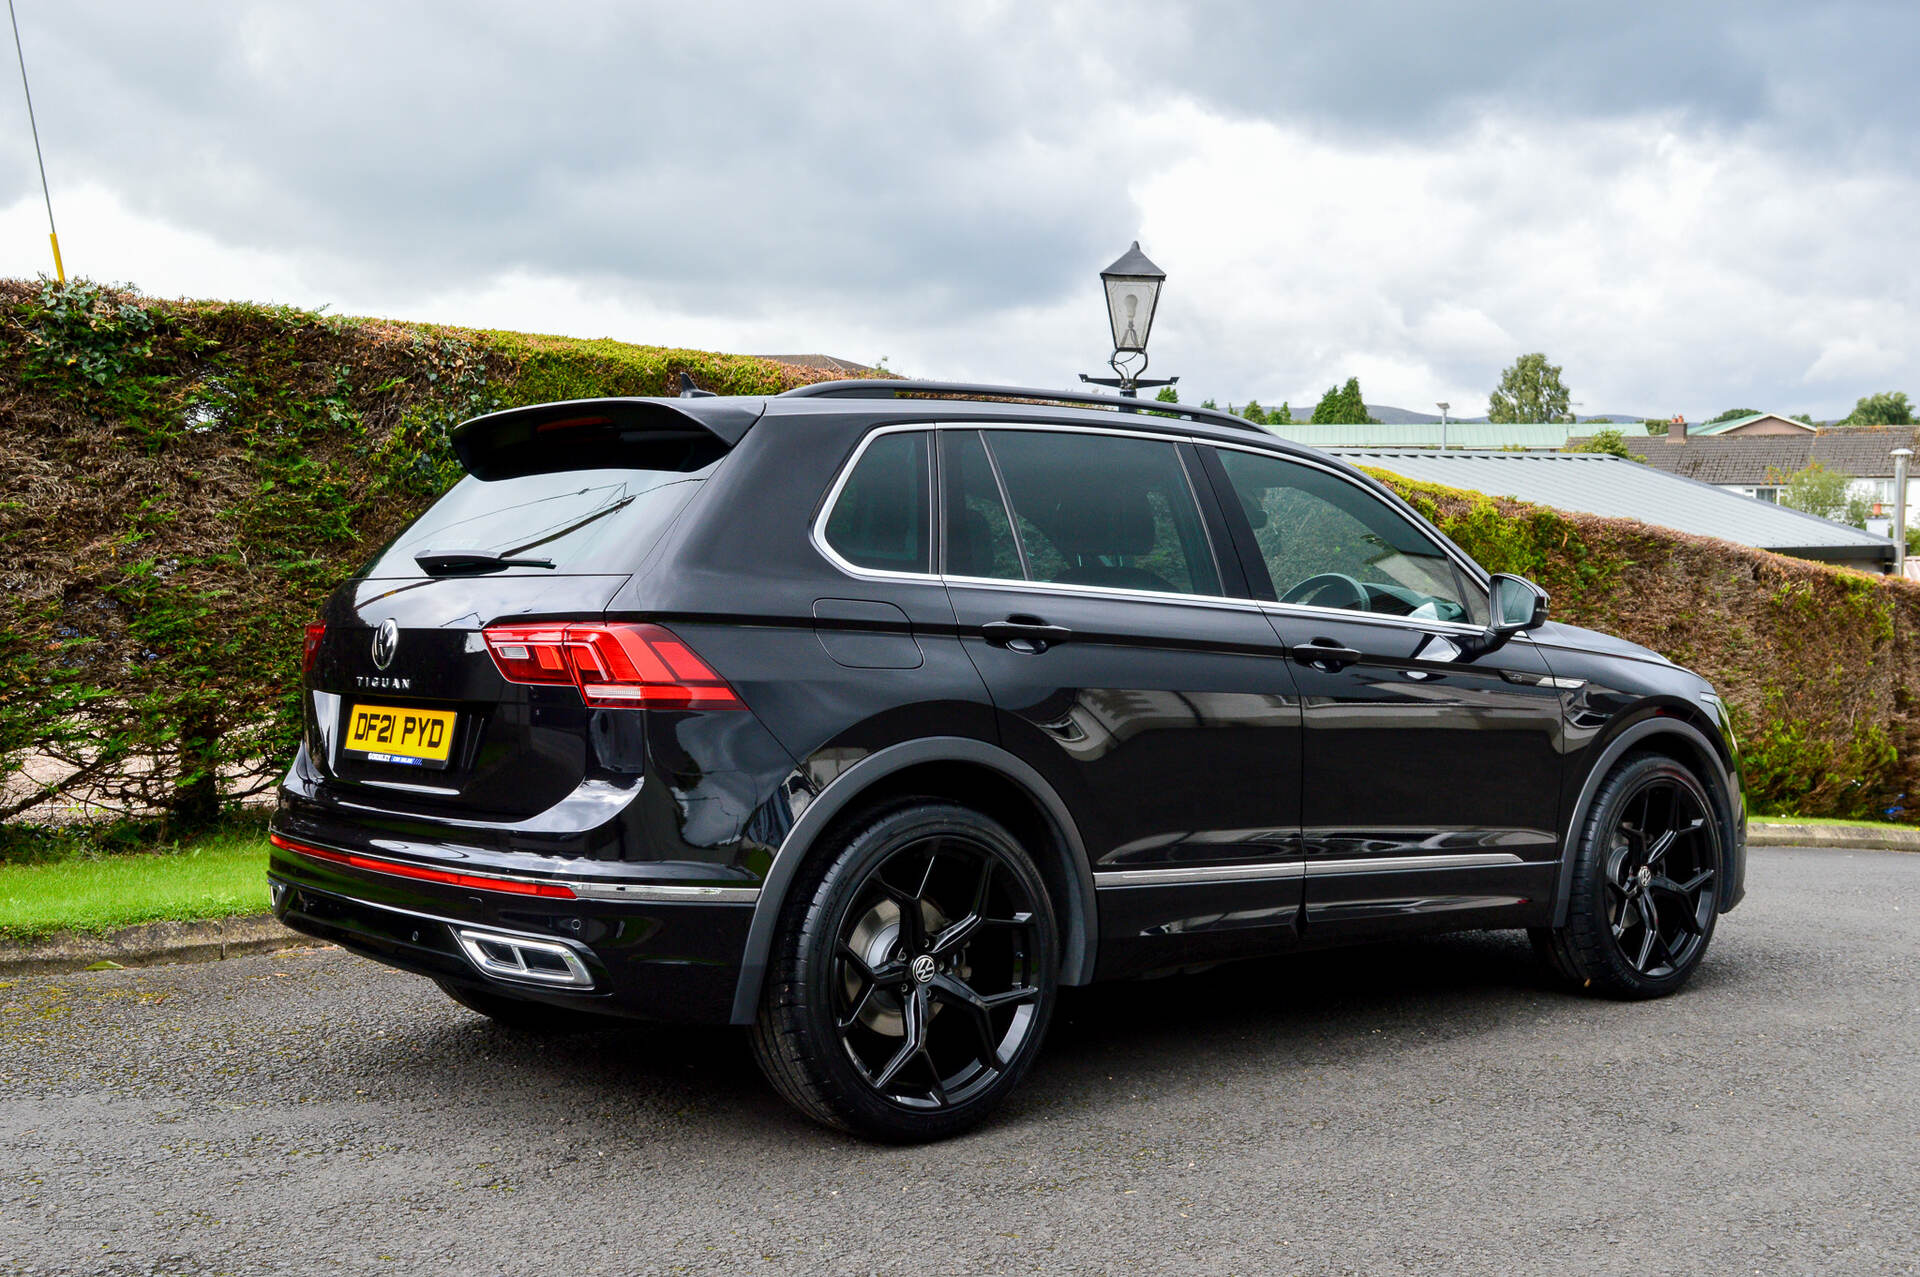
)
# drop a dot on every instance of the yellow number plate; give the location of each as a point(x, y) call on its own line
point(412, 737)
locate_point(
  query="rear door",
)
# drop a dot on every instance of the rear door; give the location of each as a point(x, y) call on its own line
point(1089, 594)
point(1431, 780)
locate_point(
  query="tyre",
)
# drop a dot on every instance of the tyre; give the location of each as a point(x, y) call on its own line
point(913, 976)
point(522, 1015)
point(1646, 884)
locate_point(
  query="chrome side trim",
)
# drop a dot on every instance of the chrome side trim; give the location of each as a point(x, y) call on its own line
point(1184, 876)
point(505, 956)
point(1395, 864)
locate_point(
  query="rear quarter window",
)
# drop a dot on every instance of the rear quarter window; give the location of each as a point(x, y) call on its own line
point(881, 518)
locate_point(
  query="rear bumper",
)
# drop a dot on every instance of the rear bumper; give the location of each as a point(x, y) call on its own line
point(647, 950)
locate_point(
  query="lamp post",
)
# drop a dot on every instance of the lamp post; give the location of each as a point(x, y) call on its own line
point(1133, 292)
point(1900, 458)
point(1443, 424)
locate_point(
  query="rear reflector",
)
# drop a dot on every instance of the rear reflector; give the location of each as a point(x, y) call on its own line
point(315, 633)
point(612, 665)
point(400, 869)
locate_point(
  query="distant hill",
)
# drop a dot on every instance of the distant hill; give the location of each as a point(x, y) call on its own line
point(1389, 415)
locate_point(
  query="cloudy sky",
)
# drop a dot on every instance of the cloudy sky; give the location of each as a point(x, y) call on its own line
point(1690, 206)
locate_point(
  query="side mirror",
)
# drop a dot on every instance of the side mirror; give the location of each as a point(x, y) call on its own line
point(1517, 604)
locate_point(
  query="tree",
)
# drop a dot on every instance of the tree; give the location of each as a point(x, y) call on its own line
point(1888, 408)
point(1609, 441)
point(1342, 406)
point(1281, 416)
point(1210, 405)
point(1530, 390)
point(1731, 413)
point(1167, 395)
point(1804, 418)
point(1254, 412)
point(1820, 491)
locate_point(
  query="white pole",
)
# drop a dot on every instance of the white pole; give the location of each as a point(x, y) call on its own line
point(1900, 458)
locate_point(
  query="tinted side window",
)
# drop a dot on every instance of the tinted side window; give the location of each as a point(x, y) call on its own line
point(881, 518)
point(1329, 543)
point(1103, 510)
point(979, 535)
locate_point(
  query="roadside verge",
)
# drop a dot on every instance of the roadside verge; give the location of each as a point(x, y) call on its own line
point(150, 944)
point(1783, 833)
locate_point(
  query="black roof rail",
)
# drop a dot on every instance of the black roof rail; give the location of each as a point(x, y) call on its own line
point(897, 388)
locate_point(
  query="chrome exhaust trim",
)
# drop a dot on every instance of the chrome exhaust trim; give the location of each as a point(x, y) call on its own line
point(511, 957)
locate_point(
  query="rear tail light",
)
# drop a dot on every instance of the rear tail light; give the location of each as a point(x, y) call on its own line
point(612, 665)
point(315, 633)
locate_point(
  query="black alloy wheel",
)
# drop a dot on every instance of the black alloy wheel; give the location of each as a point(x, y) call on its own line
point(916, 978)
point(1645, 891)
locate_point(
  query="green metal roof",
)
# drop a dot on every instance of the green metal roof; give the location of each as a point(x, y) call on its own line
point(1542, 435)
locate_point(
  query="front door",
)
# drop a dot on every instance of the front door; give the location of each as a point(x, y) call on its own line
point(1121, 670)
point(1431, 780)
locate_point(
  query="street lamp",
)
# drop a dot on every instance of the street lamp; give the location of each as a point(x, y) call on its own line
point(1133, 293)
point(1443, 424)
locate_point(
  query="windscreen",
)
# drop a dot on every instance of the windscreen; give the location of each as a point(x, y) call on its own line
point(579, 521)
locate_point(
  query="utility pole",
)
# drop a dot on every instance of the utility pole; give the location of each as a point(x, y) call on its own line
point(53, 234)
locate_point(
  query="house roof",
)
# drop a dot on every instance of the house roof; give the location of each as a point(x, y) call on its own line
point(1734, 423)
point(1594, 483)
point(832, 363)
point(1460, 434)
point(1756, 460)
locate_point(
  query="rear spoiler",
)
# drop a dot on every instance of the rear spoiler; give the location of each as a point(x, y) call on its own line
point(603, 434)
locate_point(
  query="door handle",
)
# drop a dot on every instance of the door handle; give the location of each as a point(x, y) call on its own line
point(1027, 634)
point(1325, 653)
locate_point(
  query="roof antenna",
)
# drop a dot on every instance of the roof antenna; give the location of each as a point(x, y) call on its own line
point(690, 391)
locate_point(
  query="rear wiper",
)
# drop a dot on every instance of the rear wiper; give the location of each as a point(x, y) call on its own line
point(460, 562)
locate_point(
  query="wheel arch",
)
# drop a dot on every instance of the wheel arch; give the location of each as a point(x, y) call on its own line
point(964, 770)
point(1661, 732)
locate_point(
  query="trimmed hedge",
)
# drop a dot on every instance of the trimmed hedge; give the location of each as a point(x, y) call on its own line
point(1820, 666)
point(181, 483)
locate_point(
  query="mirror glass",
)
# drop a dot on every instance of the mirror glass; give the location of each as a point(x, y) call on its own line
point(1513, 603)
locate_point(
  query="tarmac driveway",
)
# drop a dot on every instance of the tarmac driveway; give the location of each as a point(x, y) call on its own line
point(1429, 1106)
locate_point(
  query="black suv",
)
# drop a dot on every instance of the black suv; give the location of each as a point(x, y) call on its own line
point(870, 714)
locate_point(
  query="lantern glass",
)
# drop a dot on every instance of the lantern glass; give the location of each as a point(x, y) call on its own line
point(1130, 302)
point(1133, 289)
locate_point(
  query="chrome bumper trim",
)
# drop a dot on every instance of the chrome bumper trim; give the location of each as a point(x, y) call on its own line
point(583, 889)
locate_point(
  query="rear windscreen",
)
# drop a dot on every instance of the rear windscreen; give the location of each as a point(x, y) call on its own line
point(580, 521)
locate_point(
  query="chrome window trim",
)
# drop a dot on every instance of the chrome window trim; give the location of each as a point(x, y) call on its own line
point(817, 531)
point(1186, 876)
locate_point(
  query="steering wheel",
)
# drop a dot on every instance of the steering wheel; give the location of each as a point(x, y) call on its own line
point(1308, 590)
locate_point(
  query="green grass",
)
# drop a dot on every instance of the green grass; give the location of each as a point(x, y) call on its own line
point(1825, 820)
point(216, 877)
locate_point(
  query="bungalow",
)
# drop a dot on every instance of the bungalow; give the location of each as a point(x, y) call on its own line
point(1759, 466)
point(1754, 423)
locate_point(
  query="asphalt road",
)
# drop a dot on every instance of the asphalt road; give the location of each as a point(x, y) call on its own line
point(1428, 1106)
